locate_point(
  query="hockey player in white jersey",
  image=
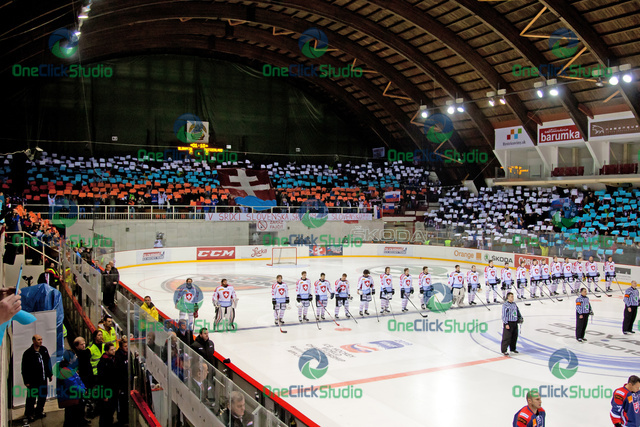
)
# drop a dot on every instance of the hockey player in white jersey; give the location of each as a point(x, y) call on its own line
point(609, 272)
point(591, 268)
point(406, 288)
point(456, 282)
point(491, 282)
point(545, 274)
point(578, 274)
point(556, 275)
point(507, 279)
point(342, 295)
point(426, 288)
point(303, 296)
point(224, 301)
point(567, 275)
point(473, 284)
point(279, 299)
point(521, 278)
point(535, 273)
point(323, 289)
point(366, 291)
point(386, 290)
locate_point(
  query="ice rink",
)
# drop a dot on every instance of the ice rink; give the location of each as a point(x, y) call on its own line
point(410, 378)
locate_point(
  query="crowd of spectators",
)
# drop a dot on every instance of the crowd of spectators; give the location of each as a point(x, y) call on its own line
point(542, 220)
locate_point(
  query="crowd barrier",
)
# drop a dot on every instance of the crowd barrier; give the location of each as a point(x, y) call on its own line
point(469, 256)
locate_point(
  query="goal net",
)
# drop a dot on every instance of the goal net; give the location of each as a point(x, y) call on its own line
point(284, 255)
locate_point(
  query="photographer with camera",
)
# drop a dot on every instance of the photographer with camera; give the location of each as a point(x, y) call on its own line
point(511, 317)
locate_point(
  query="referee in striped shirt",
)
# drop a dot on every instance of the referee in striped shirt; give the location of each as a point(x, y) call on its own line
point(583, 310)
point(510, 319)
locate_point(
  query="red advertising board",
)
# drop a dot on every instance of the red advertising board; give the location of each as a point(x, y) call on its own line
point(528, 260)
point(559, 134)
point(217, 252)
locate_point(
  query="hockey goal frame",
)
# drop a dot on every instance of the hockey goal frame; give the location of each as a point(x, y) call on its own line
point(277, 255)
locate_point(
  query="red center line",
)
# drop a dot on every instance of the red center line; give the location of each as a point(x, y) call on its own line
point(419, 372)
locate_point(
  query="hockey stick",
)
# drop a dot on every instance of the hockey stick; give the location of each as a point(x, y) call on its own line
point(487, 307)
point(601, 290)
point(280, 324)
point(314, 315)
point(375, 306)
point(327, 311)
point(585, 285)
point(619, 287)
point(350, 315)
point(419, 312)
point(390, 309)
point(551, 293)
point(547, 294)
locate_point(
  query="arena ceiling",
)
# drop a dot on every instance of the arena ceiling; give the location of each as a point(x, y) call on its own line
point(413, 53)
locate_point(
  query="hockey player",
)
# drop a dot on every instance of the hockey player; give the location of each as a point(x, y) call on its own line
point(535, 273)
point(342, 295)
point(531, 415)
point(366, 291)
point(491, 281)
point(583, 311)
point(473, 284)
point(507, 279)
point(323, 289)
point(386, 290)
point(609, 272)
point(593, 276)
point(556, 275)
point(406, 288)
point(545, 274)
point(456, 281)
point(625, 408)
point(567, 275)
point(224, 301)
point(426, 288)
point(188, 299)
point(303, 296)
point(521, 277)
point(578, 274)
point(279, 299)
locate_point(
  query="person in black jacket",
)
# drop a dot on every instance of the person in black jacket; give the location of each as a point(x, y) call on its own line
point(233, 415)
point(204, 346)
point(36, 369)
point(85, 370)
point(122, 368)
point(185, 335)
point(110, 278)
point(108, 382)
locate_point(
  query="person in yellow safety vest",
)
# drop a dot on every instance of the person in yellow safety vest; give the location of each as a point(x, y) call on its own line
point(97, 349)
point(109, 333)
point(150, 308)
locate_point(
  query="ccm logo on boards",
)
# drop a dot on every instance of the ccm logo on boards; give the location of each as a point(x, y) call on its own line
point(217, 253)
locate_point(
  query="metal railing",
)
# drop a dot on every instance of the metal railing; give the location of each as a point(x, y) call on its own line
point(177, 370)
point(67, 212)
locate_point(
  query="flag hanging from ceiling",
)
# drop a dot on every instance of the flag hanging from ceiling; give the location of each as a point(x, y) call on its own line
point(249, 187)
